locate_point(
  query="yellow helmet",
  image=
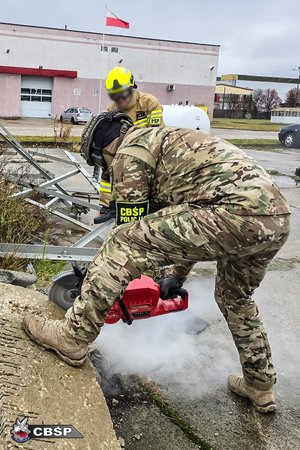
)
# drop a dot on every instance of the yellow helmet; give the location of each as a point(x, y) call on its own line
point(119, 79)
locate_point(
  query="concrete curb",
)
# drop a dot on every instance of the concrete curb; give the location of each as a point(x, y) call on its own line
point(17, 278)
point(35, 383)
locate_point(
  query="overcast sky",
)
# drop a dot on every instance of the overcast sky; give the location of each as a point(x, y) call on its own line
point(256, 36)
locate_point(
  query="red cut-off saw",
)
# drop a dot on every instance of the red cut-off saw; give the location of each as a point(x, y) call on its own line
point(141, 300)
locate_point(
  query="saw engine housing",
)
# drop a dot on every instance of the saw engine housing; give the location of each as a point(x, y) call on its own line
point(141, 299)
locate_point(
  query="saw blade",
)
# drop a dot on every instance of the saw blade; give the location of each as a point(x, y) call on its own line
point(62, 296)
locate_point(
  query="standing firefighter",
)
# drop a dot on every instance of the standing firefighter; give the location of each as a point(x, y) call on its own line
point(219, 204)
point(143, 109)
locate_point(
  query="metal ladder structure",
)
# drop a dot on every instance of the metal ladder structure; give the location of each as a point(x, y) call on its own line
point(58, 196)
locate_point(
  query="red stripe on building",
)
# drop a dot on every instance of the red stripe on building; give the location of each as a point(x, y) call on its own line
point(38, 72)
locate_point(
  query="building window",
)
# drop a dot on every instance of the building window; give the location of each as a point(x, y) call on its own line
point(36, 91)
point(95, 92)
point(104, 48)
point(36, 95)
point(114, 50)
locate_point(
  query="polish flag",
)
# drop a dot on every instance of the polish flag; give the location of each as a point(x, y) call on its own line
point(115, 21)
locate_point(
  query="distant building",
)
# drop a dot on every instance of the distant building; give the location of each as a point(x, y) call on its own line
point(226, 95)
point(281, 84)
point(285, 115)
point(44, 71)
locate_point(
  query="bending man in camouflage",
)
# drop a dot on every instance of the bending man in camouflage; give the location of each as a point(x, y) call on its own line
point(218, 204)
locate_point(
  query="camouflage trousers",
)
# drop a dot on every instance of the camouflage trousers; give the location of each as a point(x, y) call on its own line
point(181, 236)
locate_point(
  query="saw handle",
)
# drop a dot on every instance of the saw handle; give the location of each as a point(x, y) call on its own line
point(181, 292)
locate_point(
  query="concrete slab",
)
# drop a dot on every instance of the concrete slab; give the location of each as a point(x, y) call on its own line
point(35, 383)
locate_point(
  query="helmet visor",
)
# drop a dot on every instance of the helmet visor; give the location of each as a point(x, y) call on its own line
point(121, 95)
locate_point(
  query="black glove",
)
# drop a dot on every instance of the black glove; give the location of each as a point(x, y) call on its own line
point(168, 286)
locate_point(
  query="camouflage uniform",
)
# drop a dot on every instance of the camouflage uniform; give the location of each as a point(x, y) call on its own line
point(145, 111)
point(221, 205)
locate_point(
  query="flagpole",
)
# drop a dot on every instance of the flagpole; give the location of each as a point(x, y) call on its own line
point(102, 53)
point(101, 80)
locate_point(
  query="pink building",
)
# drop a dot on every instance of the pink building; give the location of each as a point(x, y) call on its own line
point(44, 71)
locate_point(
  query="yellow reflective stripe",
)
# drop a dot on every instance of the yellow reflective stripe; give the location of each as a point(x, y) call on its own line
point(105, 186)
point(141, 124)
point(155, 118)
point(157, 111)
point(141, 120)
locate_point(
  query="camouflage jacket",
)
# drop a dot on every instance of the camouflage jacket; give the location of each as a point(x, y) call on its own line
point(170, 166)
point(144, 110)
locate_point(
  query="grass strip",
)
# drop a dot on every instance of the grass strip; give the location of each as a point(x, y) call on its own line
point(71, 143)
point(246, 124)
point(258, 144)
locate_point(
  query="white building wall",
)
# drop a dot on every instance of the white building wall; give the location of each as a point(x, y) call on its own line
point(155, 63)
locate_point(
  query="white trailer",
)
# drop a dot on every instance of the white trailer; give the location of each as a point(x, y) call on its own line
point(186, 117)
point(288, 116)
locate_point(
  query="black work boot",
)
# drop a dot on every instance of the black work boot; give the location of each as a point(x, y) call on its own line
point(106, 213)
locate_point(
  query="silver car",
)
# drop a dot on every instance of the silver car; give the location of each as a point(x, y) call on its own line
point(76, 115)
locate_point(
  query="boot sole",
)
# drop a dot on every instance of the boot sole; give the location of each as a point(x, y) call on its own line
point(264, 409)
point(64, 358)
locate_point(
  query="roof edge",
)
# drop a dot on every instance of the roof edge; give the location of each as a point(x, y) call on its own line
point(106, 34)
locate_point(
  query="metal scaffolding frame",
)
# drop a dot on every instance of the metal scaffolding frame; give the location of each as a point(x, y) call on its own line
point(58, 196)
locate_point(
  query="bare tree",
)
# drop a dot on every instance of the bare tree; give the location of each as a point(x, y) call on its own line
point(233, 103)
point(292, 99)
point(271, 100)
point(263, 101)
point(246, 105)
point(257, 102)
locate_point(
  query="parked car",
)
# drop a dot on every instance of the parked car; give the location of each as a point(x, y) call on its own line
point(76, 115)
point(290, 136)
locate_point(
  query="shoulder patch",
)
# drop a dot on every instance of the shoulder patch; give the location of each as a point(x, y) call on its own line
point(141, 115)
point(131, 211)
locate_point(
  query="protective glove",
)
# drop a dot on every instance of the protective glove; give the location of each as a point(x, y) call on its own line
point(168, 286)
